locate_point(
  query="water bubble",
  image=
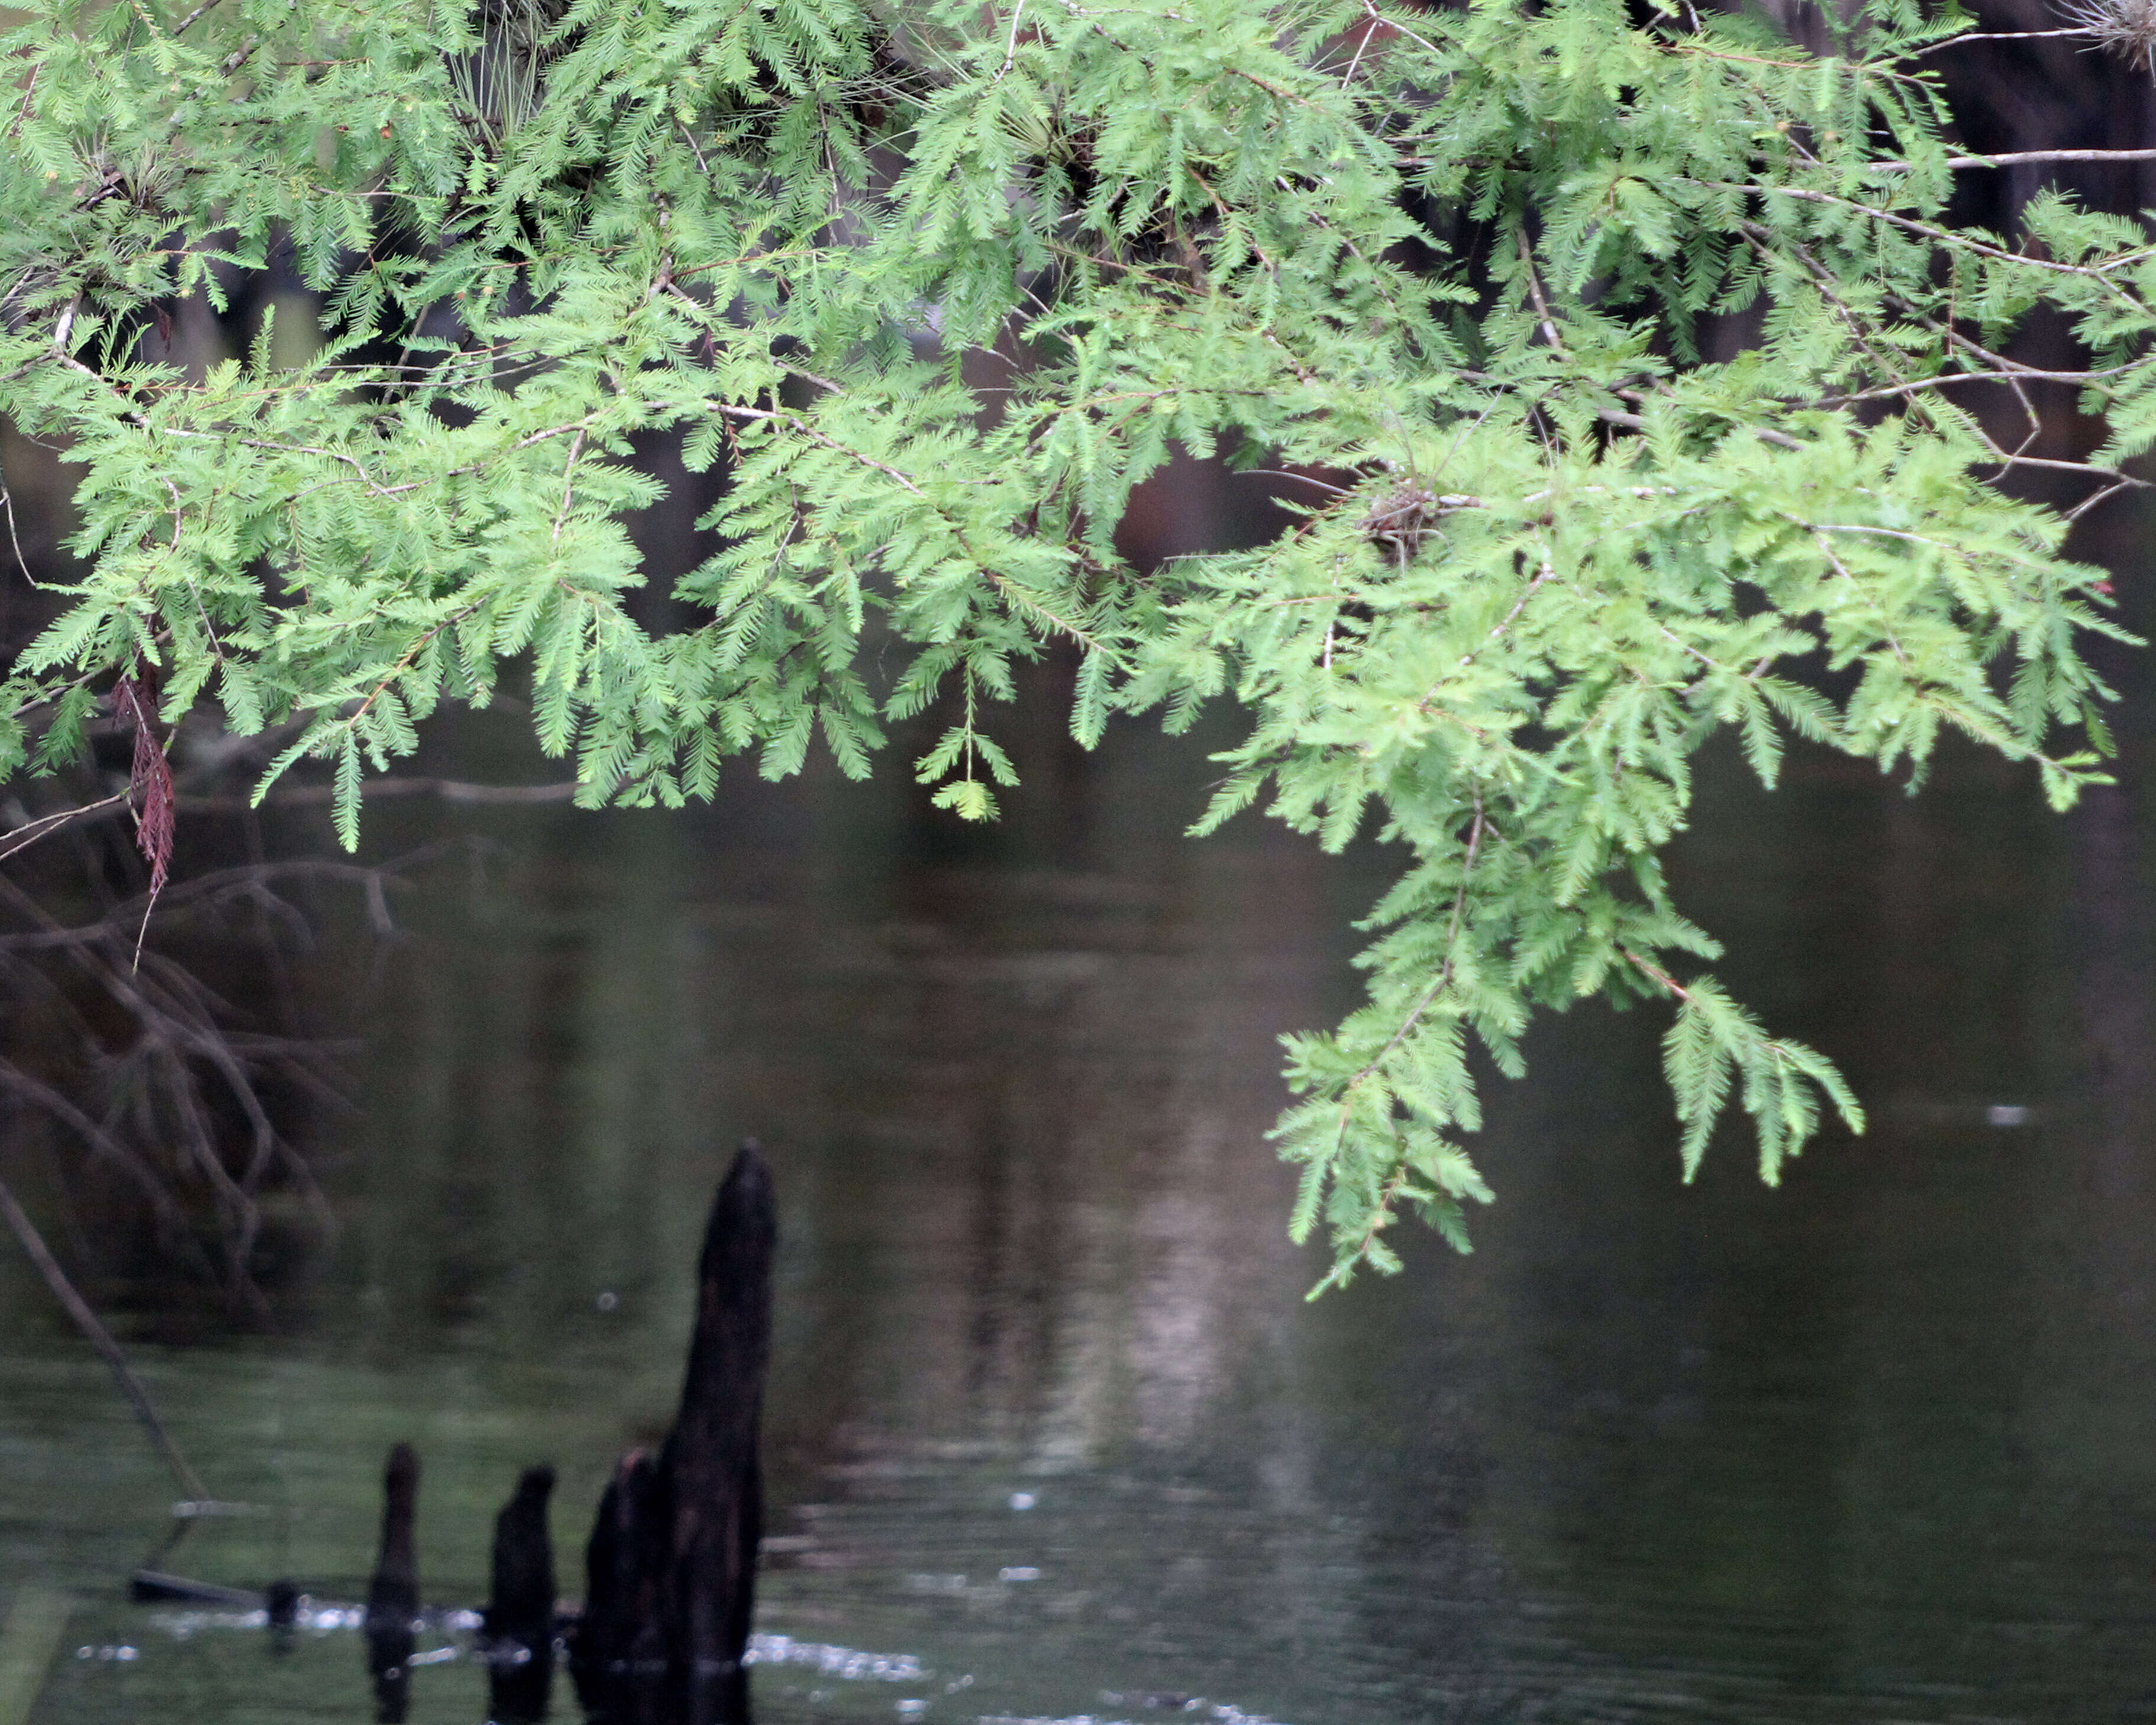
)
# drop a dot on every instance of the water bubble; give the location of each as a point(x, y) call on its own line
point(1018, 1572)
point(2006, 1114)
point(911, 1709)
point(1023, 1500)
point(608, 1300)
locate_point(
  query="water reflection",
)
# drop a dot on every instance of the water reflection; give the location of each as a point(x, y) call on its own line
point(1052, 1435)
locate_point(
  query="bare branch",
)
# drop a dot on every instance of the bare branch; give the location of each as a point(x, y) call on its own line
point(33, 1245)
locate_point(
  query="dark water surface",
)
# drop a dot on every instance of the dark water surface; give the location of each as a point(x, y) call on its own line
point(1053, 1433)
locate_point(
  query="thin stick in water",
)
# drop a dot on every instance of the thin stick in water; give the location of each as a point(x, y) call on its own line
point(101, 1338)
point(27, 1642)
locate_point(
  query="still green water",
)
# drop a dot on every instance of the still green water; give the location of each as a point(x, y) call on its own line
point(1052, 1432)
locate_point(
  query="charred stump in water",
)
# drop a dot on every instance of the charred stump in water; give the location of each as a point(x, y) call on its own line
point(519, 1623)
point(392, 1596)
point(673, 1554)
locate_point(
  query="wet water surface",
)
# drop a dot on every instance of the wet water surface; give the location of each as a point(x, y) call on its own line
point(1052, 1432)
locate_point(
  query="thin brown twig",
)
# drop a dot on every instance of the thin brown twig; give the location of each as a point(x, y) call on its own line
point(23, 837)
point(14, 539)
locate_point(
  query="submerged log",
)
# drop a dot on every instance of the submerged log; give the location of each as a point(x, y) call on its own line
point(518, 1626)
point(155, 1587)
point(672, 1558)
point(393, 1595)
point(279, 1603)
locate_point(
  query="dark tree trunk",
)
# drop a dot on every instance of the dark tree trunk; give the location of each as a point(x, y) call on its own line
point(392, 1596)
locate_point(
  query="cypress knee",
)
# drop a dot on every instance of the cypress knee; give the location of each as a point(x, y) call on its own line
point(392, 1596)
point(672, 1559)
point(519, 1624)
point(619, 1657)
point(709, 1471)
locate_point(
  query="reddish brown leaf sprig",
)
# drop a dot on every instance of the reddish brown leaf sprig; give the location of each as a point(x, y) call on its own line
point(150, 785)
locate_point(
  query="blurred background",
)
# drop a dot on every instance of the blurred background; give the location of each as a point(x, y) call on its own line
point(1052, 1432)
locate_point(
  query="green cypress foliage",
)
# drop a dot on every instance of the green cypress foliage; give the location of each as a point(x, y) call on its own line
point(1647, 391)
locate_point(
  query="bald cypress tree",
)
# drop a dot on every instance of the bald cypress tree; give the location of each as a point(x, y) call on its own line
point(1636, 378)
